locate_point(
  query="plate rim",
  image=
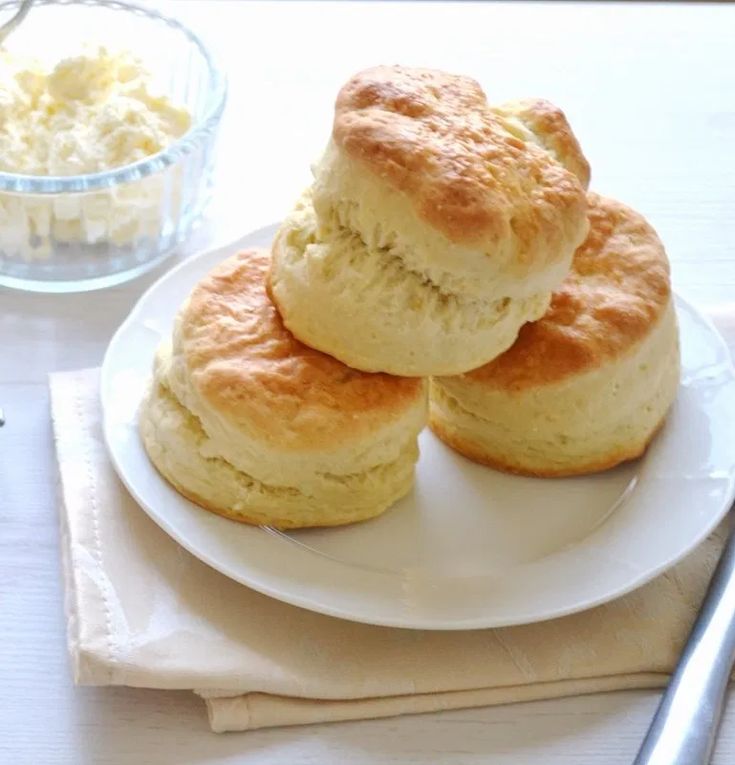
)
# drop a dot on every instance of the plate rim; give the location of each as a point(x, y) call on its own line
point(303, 600)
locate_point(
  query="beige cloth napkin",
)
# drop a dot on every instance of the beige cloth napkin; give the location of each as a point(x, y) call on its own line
point(143, 612)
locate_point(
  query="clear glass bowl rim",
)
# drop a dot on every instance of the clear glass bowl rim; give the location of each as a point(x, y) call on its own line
point(60, 184)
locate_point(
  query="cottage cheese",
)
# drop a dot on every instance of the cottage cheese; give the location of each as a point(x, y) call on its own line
point(88, 114)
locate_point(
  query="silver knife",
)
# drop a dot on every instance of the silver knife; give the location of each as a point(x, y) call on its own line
point(684, 728)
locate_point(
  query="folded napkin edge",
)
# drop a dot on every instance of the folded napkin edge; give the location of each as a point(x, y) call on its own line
point(259, 710)
point(88, 666)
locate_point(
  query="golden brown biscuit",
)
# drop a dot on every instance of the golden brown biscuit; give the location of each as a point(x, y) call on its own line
point(588, 385)
point(271, 417)
point(429, 191)
point(434, 137)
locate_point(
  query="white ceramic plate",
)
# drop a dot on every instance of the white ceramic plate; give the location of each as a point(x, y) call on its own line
point(470, 547)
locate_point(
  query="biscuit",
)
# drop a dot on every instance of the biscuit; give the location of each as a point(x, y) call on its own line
point(334, 284)
point(469, 215)
point(588, 385)
point(248, 422)
point(539, 121)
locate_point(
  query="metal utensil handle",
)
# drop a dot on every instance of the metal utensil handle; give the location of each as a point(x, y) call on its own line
point(11, 24)
point(684, 728)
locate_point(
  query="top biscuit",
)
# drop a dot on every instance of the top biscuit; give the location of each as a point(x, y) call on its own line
point(434, 137)
point(616, 293)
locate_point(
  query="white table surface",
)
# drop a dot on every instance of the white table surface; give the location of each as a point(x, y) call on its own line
point(650, 91)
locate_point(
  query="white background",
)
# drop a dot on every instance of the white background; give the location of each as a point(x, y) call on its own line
point(649, 89)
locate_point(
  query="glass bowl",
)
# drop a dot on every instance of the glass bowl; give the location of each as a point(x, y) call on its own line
point(75, 233)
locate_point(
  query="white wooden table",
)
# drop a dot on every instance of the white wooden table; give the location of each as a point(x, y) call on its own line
point(650, 90)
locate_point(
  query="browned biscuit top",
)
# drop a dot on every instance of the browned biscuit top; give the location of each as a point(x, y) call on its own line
point(249, 368)
point(433, 136)
point(552, 130)
point(615, 294)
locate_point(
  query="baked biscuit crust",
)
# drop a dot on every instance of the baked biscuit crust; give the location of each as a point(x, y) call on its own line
point(180, 450)
point(617, 290)
point(547, 124)
point(244, 363)
point(589, 384)
point(506, 464)
point(434, 137)
point(249, 423)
